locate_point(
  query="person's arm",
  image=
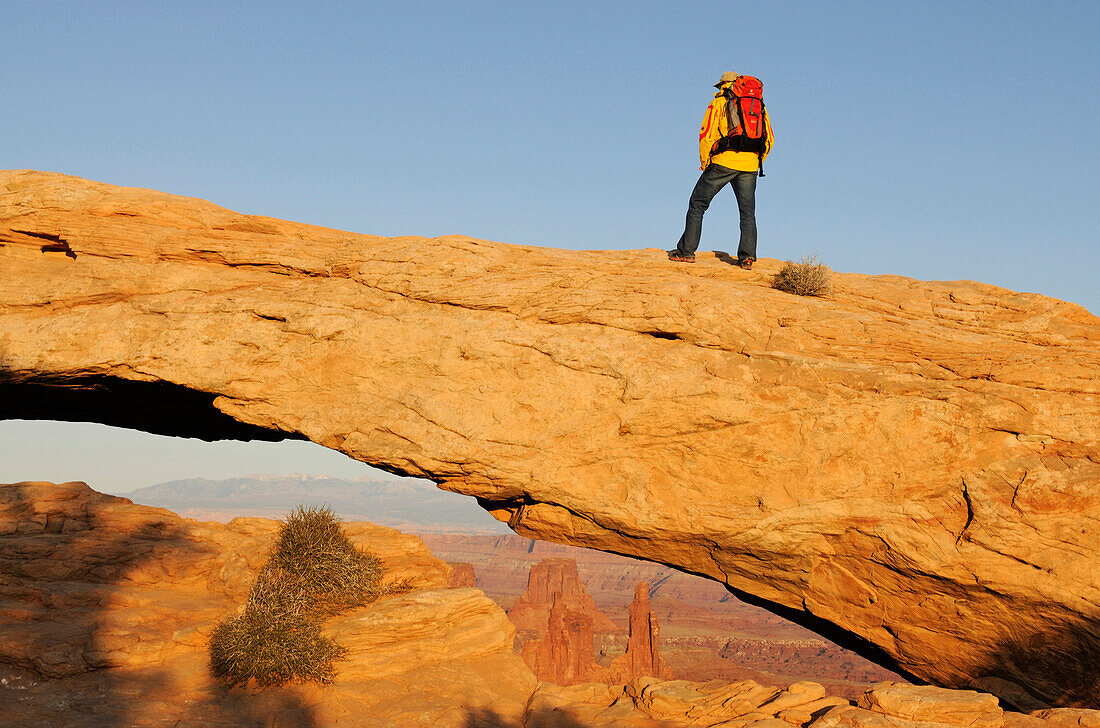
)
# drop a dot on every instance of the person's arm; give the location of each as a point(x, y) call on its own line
point(709, 133)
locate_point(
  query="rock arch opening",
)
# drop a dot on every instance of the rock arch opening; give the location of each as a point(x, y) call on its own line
point(157, 407)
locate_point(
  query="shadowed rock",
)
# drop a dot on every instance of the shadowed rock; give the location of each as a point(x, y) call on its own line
point(910, 468)
point(142, 588)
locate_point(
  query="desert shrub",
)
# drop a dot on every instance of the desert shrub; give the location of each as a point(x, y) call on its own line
point(313, 571)
point(807, 277)
point(274, 639)
point(331, 573)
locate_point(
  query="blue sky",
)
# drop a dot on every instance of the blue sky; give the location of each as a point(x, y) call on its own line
point(936, 140)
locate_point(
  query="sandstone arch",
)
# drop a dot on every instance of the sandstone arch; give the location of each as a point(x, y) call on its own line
point(914, 463)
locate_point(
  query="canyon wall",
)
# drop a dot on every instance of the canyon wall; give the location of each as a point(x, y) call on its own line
point(706, 632)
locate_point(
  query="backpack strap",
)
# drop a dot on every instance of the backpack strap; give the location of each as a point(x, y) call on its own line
point(731, 101)
point(726, 143)
point(764, 133)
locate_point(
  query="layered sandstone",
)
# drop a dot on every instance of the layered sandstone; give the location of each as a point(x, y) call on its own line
point(706, 633)
point(652, 703)
point(558, 620)
point(915, 463)
point(563, 650)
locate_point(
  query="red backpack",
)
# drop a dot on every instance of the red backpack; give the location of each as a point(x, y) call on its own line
point(744, 119)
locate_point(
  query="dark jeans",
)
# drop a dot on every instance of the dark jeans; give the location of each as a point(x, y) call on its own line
point(714, 178)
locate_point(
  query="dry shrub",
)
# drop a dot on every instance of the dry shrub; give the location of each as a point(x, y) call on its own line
point(275, 639)
point(807, 277)
point(313, 571)
point(326, 567)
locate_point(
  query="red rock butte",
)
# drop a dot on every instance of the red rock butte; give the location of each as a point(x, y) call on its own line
point(547, 579)
point(910, 468)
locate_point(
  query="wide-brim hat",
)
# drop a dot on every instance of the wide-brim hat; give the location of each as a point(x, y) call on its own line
point(727, 77)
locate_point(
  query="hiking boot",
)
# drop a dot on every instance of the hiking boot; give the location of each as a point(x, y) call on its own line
point(676, 257)
point(746, 263)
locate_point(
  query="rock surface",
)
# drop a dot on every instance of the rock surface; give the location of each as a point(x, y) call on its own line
point(462, 574)
point(915, 463)
point(651, 703)
point(550, 579)
point(565, 653)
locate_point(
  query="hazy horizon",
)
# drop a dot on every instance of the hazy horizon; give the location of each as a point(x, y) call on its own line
point(117, 460)
point(409, 504)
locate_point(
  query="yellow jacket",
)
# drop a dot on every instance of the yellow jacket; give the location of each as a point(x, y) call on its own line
point(715, 126)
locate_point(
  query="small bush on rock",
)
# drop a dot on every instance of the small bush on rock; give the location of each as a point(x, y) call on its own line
point(317, 556)
point(807, 277)
point(274, 639)
point(313, 571)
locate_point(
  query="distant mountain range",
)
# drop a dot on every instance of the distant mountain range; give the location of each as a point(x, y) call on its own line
point(405, 503)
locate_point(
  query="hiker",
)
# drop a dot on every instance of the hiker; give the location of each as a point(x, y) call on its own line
point(734, 140)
